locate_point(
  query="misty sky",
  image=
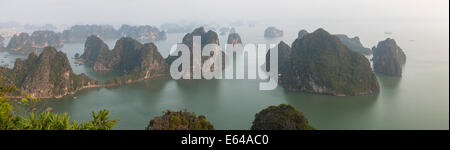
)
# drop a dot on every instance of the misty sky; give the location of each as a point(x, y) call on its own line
point(157, 12)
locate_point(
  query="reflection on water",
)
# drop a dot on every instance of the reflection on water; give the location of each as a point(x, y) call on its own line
point(388, 81)
point(339, 111)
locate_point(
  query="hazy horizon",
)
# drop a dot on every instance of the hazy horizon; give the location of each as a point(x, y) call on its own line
point(116, 12)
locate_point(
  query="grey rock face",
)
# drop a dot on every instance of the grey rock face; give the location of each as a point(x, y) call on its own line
point(272, 32)
point(234, 38)
point(25, 44)
point(128, 58)
point(388, 58)
point(354, 44)
point(48, 75)
point(302, 33)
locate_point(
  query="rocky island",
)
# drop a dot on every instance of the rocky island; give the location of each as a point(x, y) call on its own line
point(132, 60)
point(388, 58)
point(142, 33)
point(353, 43)
point(79, 33)
point(179, 120)
point(25, 44)
point(234, 38)
point(281, 117)
point(320, 63)
point(272, 32)
point(209, 37)
point(48, 75)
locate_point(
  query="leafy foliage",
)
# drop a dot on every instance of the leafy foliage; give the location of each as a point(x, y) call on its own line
point(282, 117)
point(180, 120)
point(14, 117)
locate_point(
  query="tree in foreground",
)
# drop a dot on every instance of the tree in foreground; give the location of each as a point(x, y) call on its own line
point(179, 120)
point(23, 114)
point(281, 117)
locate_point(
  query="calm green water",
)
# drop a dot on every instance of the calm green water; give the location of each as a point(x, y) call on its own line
point(418, 100)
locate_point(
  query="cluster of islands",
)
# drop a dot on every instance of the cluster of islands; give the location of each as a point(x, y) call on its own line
point(316, 62)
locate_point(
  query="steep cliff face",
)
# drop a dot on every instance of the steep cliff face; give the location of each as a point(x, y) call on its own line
point(48, 75)
point(321, 64)
point(302, 33)
point(93, 47)
point(282, 117)
point(284, 57)
point(25, 44)
point(133, 60)
point(272, 32)
point(209, 37)
point(181, 120)
point(388, 58)
point(354, 44)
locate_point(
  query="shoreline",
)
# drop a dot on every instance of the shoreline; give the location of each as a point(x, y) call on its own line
point(102, 85)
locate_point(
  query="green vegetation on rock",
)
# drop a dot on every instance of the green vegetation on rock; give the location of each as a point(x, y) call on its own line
point(25, 44)
point(133, 60)
point(320, 63)
point(20, 114)
point(281, 117)
point(179, 120)
point(209, 37)
point(48, 75)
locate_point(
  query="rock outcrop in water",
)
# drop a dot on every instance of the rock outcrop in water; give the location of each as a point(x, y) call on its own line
point(142, 33)
point(281, 117)
point(181, 120)
point(25, 44)
point(354, 44)
point(321, 63)
point(48, 75)
point(209, 37)
point(388, 58)
point(79, 33)
point(133, 60)
point(272, 32)
point(234, 38)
